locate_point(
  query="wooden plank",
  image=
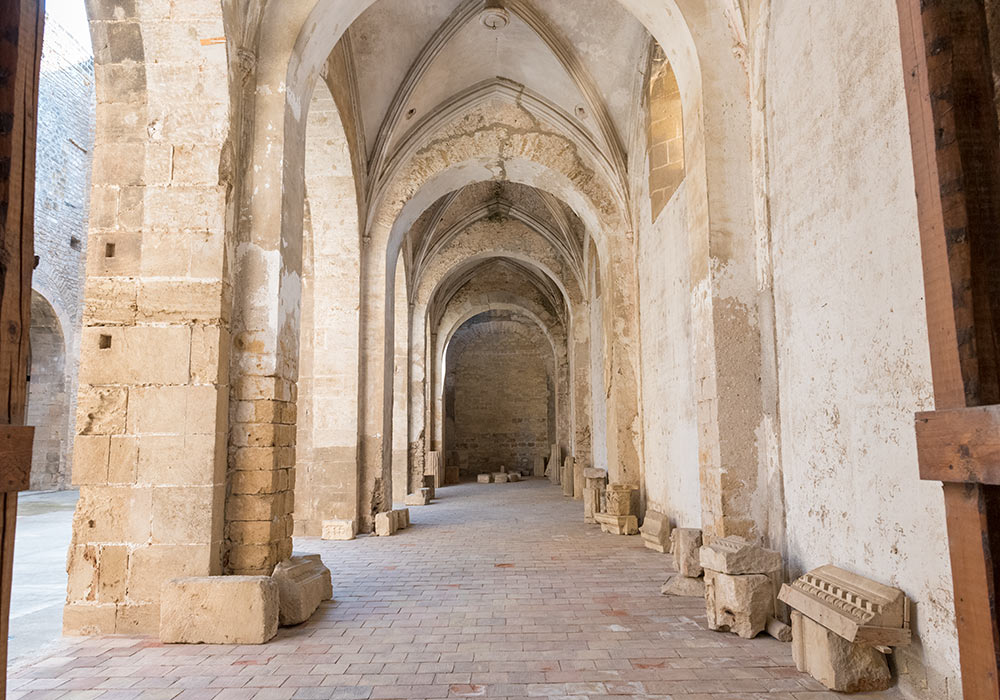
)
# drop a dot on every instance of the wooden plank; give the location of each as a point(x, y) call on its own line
point(960, 445)
point(21, 27)
point(15, 457)
point(956, 156)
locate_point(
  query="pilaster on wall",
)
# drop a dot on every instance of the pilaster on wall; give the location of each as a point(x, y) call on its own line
point(150, 455)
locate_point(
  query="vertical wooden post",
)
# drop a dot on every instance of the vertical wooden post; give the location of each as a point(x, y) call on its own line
point(956, 156)
point(20, 55)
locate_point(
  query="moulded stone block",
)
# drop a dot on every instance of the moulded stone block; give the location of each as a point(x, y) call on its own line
point(484, 478)
point(219, 610)
point(340, 529)
point(420, 498)
point(618, 524)
point(842, 666)
point(500, 478)
point(740, 604)
point(684, 587)
point(656, 532)
point(385, 524)
point(685, 545)
point(736, 556)
point(303, 583)
point(579, 481)
point(619, 499)
point(539, 466)
point(852, 606)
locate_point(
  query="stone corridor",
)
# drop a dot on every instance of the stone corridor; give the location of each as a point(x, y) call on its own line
point(494, 591)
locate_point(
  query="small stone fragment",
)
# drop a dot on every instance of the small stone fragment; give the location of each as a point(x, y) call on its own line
point(303, 583)
point(385, 524)
point(684, 587)
point(340, 529)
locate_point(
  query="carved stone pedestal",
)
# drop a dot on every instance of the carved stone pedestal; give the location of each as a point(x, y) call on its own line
point(618, 524)
point(595, 480)
point(485, 478)
point(340, 529)
point(739, 604)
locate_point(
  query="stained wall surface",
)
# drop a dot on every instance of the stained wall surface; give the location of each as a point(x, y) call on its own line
point(66, 113)
point(669, 412)
point(497, 393)
point(851, 328)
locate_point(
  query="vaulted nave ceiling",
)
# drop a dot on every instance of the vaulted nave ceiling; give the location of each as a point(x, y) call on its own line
point(414, 58)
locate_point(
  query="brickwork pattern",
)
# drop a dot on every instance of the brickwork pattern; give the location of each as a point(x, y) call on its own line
point(66, 114)
point(498, 393)
point(495, 591)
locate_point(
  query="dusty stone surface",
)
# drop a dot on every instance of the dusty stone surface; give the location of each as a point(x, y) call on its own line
point(219, 610)
point(736, 556)
point(739, 604)
point(559, 563)
point(340, 529)
point(684, 587)
point(686, 549)
point(656, 532)
point(846, 667)
point(303, 583)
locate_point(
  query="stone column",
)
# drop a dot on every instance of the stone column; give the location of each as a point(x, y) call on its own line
point(152, 419)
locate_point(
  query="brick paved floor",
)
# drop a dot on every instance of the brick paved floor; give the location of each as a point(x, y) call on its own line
point(495, 591)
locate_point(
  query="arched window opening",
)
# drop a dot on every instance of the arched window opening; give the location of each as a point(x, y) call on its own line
point(666, 132)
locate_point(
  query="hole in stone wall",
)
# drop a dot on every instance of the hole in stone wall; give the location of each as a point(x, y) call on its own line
point(109, 250)
point(74, 243)
point(104, 342)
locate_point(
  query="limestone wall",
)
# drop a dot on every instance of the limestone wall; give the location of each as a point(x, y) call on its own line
point(65, 152)
point(497, 393)
point(851, 329)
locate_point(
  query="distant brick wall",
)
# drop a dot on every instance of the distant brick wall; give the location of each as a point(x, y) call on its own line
point(498, 393)
point(65, 144)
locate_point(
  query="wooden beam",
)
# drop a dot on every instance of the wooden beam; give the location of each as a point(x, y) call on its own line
point(956, 157)
point(20, 53)
point(960, 445)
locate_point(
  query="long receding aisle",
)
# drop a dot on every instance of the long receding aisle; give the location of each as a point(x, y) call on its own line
point(494, 591)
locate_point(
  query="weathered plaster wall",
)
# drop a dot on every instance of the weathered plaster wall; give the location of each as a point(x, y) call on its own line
point(62, 194)
point(327, 436)
point(851, 328)
point(598, 385)
point(497, 392)
point(670, 419)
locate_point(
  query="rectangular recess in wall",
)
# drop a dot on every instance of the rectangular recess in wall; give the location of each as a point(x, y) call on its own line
point(104, 342)
point(109, 250)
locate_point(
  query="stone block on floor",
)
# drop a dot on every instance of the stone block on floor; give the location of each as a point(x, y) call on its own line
point(656, 532)
point(420, 498)
point(340, 529)
point(618, 499)
point(485, 478)
point(739, 604)
point(684, 587)
point(219, 610)
point(500, 478)
point(618, 524)
point(842, 666)
point(303, 583)
point(385, 524)
point(539, 466)
point(452, 475)
point(736, 556)
point(685, 545)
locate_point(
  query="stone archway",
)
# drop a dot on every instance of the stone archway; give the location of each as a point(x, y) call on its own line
point(48, 397)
